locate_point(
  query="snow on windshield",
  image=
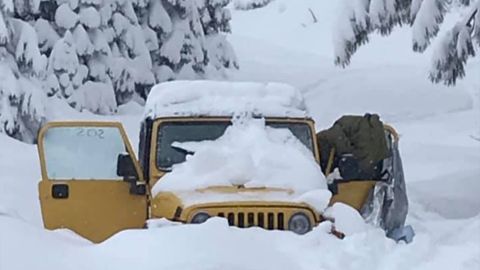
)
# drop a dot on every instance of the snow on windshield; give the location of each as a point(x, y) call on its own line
point(169, 153)
point(249, 153)
point(218, 98)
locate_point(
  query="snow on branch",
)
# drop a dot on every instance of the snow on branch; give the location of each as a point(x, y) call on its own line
point(357, 19)
point(454, 49)
point(427, 22)
point(353, 27)
point(27, 52)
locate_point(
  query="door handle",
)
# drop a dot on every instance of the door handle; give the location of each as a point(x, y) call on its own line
point(60, 191)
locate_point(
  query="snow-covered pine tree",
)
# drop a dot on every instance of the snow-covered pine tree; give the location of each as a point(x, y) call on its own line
point(110, 51)
point(132, 56)
point(216, 22)
point(455, 48)
point(186, 39)
point(129, 45)
point(22, 66)
point(157, 28)
point(81, 58)
point(64, 63)
point(26, 9)
point(359, 18)
point(183, 50)
point(101, 53)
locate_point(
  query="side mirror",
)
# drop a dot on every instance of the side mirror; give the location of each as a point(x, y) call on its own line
point(126, 167)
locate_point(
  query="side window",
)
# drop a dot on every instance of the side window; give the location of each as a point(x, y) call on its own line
point(83, 152)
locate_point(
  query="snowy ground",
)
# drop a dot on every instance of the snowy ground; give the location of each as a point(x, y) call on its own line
point(441, 161)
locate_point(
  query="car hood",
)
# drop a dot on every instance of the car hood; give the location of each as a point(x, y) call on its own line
point(228, 194)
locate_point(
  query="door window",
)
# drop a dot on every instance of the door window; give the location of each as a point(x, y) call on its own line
point(83, 153)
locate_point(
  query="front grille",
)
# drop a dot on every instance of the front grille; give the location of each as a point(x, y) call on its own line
point(267, 220)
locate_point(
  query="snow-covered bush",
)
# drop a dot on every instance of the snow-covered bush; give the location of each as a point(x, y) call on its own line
point(359, 18)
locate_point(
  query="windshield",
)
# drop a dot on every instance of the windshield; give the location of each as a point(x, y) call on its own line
point(170, 132)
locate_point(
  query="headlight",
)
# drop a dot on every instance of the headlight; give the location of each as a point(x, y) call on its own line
point(299, 223)
point(200, 218)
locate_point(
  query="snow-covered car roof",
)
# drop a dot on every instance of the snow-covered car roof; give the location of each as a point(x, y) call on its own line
point(221, 98)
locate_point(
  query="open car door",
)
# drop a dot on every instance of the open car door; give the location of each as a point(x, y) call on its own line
point(91, 181)
point(355, 191)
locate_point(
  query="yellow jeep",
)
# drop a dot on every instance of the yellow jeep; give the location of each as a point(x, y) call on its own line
point(93, 184)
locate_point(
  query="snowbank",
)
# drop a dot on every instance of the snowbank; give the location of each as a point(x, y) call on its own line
point(19, 174)
point(215, 245)
point(218, 98)
point(249, 154)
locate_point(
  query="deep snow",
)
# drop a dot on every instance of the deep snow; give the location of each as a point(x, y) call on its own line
point(281, 43)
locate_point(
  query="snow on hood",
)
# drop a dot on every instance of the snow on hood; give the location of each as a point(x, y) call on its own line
point(219, 98)
point(249, 154)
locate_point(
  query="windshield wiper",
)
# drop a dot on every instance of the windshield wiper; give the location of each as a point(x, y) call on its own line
point(182, 150)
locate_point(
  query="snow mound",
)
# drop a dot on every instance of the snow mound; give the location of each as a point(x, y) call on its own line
point(249, 154)
point(219, 98)
point(346, 219)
